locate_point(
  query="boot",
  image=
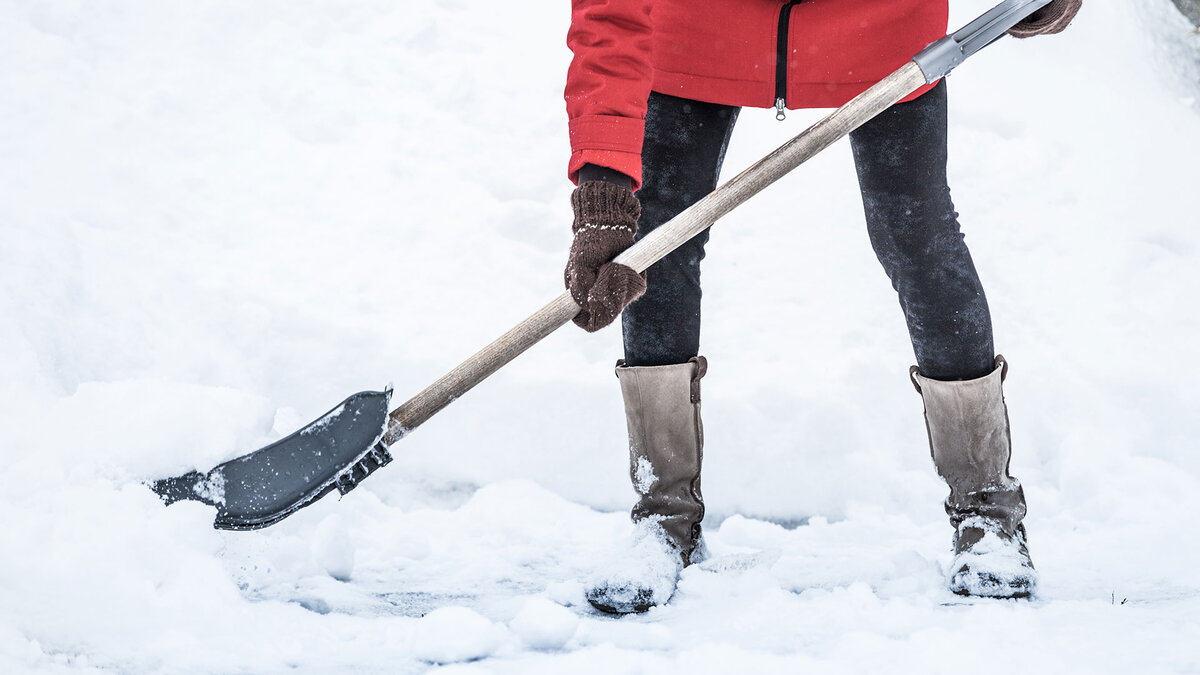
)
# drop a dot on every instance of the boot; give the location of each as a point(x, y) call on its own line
point(662, 410)
point(969, 440)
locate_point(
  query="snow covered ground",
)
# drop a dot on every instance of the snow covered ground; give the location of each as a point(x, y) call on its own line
point(217, 219)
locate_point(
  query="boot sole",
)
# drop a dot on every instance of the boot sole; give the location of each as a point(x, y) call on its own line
point(640, 604)
point(1004, 590)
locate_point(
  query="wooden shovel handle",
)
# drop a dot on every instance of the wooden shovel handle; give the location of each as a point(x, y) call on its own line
point(657, 244)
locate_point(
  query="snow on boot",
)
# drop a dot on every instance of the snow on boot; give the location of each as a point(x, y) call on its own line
point(971, 446)
point(666, 437)
point(988, 562)
point(640, 576)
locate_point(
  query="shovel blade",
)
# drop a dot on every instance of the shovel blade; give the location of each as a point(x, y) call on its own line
point(263, 487)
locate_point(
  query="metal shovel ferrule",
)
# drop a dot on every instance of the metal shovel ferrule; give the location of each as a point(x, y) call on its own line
point(944, 55)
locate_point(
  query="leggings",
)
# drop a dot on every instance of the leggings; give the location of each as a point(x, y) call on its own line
point(900, 157)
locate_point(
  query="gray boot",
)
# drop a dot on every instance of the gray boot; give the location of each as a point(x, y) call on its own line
point(666, 437)
point(969, 440)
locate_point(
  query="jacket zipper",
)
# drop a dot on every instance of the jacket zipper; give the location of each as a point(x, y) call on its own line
point(781, 60)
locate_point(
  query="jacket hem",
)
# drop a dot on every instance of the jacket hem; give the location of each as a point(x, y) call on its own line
point(801, 95)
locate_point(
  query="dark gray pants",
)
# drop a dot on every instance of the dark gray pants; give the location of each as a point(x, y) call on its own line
point(901, 161)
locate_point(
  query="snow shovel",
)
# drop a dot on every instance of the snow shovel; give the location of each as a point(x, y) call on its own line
point(352, 441)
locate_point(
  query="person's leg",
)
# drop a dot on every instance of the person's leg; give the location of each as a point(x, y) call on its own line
point(901, 161)
point(660, 376)
point(681, 159)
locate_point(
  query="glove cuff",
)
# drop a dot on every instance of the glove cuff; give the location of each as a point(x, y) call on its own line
point(1049, 20)
point(602, 205)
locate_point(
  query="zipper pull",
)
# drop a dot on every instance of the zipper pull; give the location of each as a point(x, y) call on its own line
point(780, 109)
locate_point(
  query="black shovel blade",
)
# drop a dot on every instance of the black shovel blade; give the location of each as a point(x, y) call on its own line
point(263, 487)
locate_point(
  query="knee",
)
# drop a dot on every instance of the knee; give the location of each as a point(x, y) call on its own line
point(912, 231)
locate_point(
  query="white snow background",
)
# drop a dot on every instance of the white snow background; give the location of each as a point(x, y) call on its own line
point(218, 219)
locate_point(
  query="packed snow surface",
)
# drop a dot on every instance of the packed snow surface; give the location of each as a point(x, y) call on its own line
point(218, 219)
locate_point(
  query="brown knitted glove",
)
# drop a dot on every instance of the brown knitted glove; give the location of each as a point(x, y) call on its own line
point(606, 218)
point(1051, 19)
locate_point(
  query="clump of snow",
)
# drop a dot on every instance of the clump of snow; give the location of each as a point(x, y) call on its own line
point(569, 593)
point(643, 476)
point(641, 574)
point(451, 634)
point(993, 566)
point(332, 548)
point(546, 625)
point(211, 487)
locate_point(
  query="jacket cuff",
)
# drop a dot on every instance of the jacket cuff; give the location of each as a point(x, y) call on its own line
point(607, 140)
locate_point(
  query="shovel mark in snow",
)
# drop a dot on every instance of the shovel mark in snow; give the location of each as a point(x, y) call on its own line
point(420, 603)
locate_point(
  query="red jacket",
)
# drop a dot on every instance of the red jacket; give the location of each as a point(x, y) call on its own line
point(811, 53)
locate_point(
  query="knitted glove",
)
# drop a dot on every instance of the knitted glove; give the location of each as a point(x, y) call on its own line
point(1051, 19)
point(606, 218)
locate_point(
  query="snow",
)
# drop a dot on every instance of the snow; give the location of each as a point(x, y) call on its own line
point(543, 624)
point(211, 487)
point(993, 566)
point(643, 476)
point(323, 422)
point(332, 548)
point(219, 219)
point(450, 634)
point(637, 573)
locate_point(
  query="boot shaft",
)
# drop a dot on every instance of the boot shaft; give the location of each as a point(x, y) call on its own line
point(971, 445)
point(666, 440)
point(970, 442)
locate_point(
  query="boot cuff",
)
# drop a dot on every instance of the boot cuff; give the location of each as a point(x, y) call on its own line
point(919, 381)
